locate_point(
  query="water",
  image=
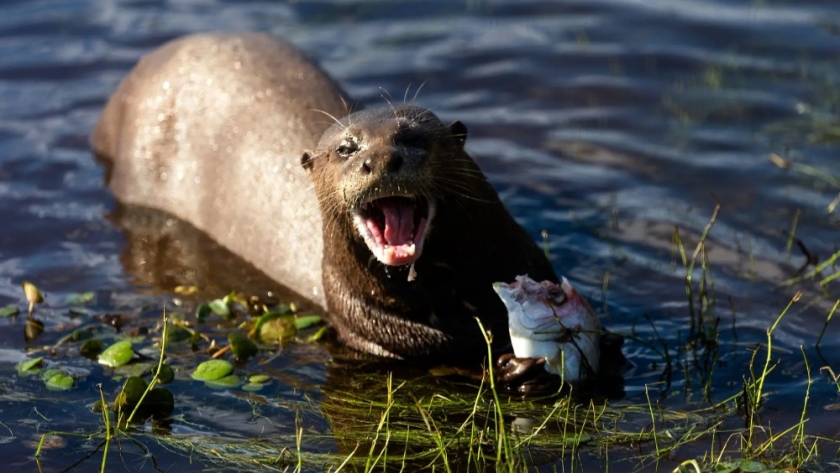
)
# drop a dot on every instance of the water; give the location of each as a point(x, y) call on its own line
point(606, 122)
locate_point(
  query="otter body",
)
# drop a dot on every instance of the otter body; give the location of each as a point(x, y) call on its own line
point(396, 231)
point(210, 128)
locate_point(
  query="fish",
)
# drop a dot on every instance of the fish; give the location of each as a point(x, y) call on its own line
point(553, 322)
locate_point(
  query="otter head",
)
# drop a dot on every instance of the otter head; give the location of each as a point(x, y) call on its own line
point(375, 175)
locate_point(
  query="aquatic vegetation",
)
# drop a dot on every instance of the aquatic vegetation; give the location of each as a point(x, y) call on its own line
point(382, 419)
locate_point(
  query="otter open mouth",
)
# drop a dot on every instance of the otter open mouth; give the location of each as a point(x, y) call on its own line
point(394, 228)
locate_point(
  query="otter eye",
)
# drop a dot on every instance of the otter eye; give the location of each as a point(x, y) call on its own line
point(347, 148)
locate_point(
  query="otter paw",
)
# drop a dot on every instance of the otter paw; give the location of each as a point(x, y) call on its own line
point(511, 368)
point(525, 376)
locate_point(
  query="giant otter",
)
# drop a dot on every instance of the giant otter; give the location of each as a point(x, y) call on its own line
point(401, 236)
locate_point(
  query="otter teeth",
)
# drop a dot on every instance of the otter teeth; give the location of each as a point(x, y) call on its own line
point(394, 228)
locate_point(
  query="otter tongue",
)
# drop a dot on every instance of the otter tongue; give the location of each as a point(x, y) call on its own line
point(399, 221)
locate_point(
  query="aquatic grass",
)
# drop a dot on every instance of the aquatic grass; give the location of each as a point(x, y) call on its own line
point(792, 232)
point(755, 389)
point(408, 423)
point(800, 438)
point(501, 432)
point(156, 377)
point(813, 172)
point(825, 325)
point(110, 431)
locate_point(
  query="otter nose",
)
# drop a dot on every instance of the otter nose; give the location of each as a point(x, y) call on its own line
point(386, 163)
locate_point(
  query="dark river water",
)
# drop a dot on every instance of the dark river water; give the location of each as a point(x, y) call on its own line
point(607, 123)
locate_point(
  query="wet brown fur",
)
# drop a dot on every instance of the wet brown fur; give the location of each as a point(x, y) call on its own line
point(211, 128)
point(473, 241)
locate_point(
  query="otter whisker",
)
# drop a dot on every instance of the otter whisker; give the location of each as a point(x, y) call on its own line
point(417, 93)
point(336, 120)
point(405, 95)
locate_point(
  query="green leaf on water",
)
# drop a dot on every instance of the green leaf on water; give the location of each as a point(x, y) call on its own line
point(212, 370)
point(241, 346)
point(252, 387)
point(177, 334)
point(31, 366)
point(219, 307)
point(259, 379)
point(202, 311)
point(81, 298)
point(131, 392)
point(60, 382)
point(230, 381)
point(9, 311)
point(50, 372)
point(166, 375)
point(117, 354)
point(136, 368)
point(159, 402)
point(742, 466)
point(304, 321)
point(275, 328)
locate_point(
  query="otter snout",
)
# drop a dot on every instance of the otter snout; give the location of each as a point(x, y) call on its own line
point(384, 171)
point(386, 162)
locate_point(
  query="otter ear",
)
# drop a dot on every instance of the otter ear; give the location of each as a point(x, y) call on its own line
point(307, 160)
point(459, 132)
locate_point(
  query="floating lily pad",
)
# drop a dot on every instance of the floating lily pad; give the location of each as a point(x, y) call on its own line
point(117, 354)
point(219, 307)
point(275, 328)
point(81, 298)
point(259, 378)
point(212, 370)
point(743, 466)
point(252, 387)
point(57, 379)
point(177, 334)
point(202, 311)
point(159, 402)
point(9, 311)
point(166, 374)
point(241, 346)
point(60, 382)
point(131, 392)
point(137, 368)
point(230, 381)
point(256, 382)
point(31, 366)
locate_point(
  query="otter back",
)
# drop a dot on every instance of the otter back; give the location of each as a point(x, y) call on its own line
point(211, 128)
